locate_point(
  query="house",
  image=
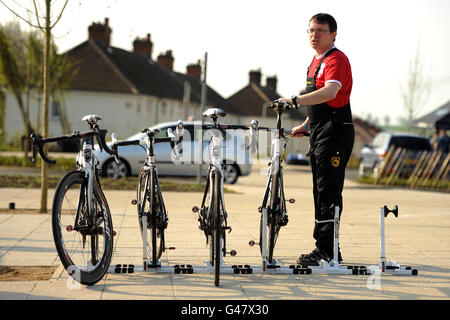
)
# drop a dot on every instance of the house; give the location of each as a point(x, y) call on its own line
point(438, 118)
point(129, 89)
point(364, 134)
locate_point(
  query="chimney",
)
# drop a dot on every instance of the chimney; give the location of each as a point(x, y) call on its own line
point(271, 82)
point(194, 70)
point(143, 45)
point(100, 31)
point(166, 60)
point(255, 77)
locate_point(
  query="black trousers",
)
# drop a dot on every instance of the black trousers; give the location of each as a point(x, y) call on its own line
point(331, 147)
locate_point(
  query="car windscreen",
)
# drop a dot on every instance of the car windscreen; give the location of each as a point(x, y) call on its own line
point(137, 136)
point(410, 143)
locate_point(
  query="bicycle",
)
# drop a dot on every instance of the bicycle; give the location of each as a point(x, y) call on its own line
point(273, 207)
point(152, 213)
point(81, 220)
point(212, 213)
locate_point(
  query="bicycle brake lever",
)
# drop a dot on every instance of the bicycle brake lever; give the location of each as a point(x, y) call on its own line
point(114, 147)
point(34, 147)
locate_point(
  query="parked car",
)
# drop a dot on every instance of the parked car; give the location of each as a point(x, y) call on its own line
point(372, 155)
point(297, 158)
point(236, 157)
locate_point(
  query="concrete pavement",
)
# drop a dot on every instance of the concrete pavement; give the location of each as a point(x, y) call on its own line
point(419, 237)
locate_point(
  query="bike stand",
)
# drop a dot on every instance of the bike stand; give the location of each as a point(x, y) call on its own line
point(385, 267)
point(325, 267)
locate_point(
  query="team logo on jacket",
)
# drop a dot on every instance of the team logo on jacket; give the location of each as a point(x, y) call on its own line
point(335, 161)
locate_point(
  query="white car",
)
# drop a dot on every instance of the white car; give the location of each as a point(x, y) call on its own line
point(237, 161)
point(372, 155)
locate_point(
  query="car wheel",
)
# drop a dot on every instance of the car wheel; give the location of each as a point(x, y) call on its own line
point(112, 169)
point(230, 173)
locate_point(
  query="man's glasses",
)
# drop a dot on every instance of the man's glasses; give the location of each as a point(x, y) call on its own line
point(318, 31)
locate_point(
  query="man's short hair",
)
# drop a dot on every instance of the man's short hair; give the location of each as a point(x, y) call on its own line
point(325, 18)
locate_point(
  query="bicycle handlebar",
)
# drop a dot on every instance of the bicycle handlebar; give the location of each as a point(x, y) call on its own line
point(125, 143)
point(38, 142)
point(282, 105)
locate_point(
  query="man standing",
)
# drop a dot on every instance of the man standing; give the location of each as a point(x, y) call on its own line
point(329, 121)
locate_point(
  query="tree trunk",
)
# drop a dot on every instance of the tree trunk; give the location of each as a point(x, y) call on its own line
point(44, 168)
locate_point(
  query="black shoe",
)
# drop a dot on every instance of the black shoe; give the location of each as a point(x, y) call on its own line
point(313, 258)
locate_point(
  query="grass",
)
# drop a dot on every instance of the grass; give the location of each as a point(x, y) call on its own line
point(62, 164)
point(128, 183)
point(401, 182)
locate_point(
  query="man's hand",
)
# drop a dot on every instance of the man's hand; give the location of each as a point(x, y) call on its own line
point(288, 100)
point(298, 131)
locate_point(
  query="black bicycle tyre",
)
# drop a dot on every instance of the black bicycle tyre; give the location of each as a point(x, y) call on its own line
point(272, 223)
point(102, 263)
point(146, 200)
point(217, 227)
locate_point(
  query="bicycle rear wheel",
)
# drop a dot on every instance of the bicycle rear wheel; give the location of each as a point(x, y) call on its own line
point(84, 243)
point(150, 203)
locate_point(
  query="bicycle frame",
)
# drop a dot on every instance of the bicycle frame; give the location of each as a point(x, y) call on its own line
point(215, 170)
point(275, 172)
point(150, 165)
point(150, 173)
point(87, 162)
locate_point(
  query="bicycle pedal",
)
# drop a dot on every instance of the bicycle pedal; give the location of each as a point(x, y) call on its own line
point(291, 200)
point(252, 243)
point(194, 209)
point(69, 228)
point(171, 248)
point(233, 253)
point(134, 202)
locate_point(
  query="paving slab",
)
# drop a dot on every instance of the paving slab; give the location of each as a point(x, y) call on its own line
point(419, 237)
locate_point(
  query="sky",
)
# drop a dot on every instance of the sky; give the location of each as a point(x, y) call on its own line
point(380, 38)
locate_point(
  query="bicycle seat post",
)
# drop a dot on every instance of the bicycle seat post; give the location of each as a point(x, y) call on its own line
point(279, 112)
point(150, 137)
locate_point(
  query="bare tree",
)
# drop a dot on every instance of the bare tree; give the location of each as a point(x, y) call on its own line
point(417, 90)
point(43, 23)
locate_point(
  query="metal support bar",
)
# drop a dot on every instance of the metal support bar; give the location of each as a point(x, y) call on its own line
point(325, 267)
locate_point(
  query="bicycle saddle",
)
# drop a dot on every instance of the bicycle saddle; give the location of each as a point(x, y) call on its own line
point(214, 113)
point(150, 132)
point(91, 118)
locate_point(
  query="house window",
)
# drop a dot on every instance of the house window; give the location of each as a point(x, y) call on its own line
point(54, 110)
